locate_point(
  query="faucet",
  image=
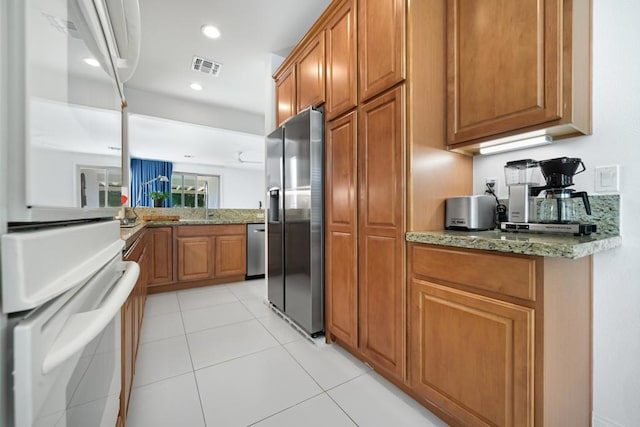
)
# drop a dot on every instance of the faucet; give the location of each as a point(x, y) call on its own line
point(206, 199)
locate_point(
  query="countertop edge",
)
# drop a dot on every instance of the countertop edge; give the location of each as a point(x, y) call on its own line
point(571, 250)
point(131, 234)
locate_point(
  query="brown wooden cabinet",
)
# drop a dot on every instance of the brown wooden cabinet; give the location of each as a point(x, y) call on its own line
point(231, 257)
point(310, 74)
point(341, 225)
point(381, 45)
point(131, 318)
point(515, 67)
point(211, 252)
point(195, 257)
point(381, 154)
point(301, 81)
point(162, 253)
point(341, 61)
point(472, 355)
point(496, 339)
point(285, 94)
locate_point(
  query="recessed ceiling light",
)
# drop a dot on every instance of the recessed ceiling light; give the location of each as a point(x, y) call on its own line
point(210, 31)
point(92, 61)
point(188, 156)
point(196, 86)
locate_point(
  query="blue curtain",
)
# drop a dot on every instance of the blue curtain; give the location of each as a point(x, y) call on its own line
point(146, 170)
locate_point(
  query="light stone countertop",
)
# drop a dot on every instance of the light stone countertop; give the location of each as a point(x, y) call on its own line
point(549, 245)
point(130, 234)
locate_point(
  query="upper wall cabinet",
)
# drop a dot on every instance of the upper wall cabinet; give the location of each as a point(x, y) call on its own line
point(285, 94)
point(310, 74)
point(300, 80)
point(381, 45)
point(341, 62)
point(515, 67)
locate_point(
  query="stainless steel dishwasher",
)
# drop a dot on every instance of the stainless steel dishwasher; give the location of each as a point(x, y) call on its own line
point(255, 251)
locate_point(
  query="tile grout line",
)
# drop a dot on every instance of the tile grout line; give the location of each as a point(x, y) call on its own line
point(341, 408)
point(286, 409)
point(238, 357)
point(193, 371)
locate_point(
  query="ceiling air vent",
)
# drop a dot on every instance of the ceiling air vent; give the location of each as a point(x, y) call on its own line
point(206, 66)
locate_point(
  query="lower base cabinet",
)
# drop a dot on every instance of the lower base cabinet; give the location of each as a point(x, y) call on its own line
point(472, 355)
point(204, 255)
point(500, 340)
point(131, 320)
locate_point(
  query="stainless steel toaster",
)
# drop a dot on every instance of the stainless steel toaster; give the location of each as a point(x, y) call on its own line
point(471, 213)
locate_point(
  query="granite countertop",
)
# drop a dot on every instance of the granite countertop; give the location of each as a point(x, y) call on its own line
point(130, 234)
point(549, 245)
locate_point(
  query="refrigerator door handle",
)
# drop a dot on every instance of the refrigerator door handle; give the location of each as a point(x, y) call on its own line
point(274, 204)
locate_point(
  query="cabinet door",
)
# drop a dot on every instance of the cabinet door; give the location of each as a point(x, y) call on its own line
point(128, 355)
point(381, 154)
point(195, 257)
point(471, 355)
point(231, 259)
point(341, 62)
point(141, 288)
point(310, 74)
point(161, 241)
point(341, 222)
point(381, 45)
point(286, 95)
point(503, 66)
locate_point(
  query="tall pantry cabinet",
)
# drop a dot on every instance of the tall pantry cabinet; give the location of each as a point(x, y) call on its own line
point(386, 172)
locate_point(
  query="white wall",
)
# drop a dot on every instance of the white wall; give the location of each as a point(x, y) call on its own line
point(239, 188)
point(273, 62)
point(615, 140)
point(166, 107)
point(59, 170)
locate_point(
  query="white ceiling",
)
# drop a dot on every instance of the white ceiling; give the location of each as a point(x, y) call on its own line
point(251, 30)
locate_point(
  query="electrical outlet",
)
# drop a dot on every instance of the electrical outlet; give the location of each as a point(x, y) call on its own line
point(492, 183)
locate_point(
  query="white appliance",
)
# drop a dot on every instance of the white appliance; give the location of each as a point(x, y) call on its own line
point(63, 280)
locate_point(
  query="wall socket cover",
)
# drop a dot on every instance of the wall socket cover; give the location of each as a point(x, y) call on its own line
point(607, 179)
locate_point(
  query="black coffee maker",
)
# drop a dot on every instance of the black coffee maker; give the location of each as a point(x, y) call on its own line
point(558, 206)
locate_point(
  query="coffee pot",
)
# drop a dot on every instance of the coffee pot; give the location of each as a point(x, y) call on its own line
point(560, 205)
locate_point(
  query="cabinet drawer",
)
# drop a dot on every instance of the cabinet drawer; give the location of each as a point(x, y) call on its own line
point(507, 275)
point(210, 230)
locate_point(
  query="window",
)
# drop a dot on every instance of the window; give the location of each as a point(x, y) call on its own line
point(100, 187)
point(190, 190)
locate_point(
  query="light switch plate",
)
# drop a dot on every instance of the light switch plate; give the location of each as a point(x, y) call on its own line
point(607, 179)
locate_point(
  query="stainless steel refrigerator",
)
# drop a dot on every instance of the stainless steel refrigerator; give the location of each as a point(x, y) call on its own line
point(295, 236)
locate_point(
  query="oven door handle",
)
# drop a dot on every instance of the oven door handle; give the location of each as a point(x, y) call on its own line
point(81, 328)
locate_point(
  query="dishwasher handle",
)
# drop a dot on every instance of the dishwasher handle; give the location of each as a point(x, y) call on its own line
point(258, 230)
point(81, 328)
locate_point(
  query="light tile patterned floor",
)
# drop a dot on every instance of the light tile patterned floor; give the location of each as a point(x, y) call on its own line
point(218, 357)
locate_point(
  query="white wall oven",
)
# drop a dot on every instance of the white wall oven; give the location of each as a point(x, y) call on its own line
point(62, 277)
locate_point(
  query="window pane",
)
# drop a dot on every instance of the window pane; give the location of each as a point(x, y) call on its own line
point(99, 187)
point(189, 190)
